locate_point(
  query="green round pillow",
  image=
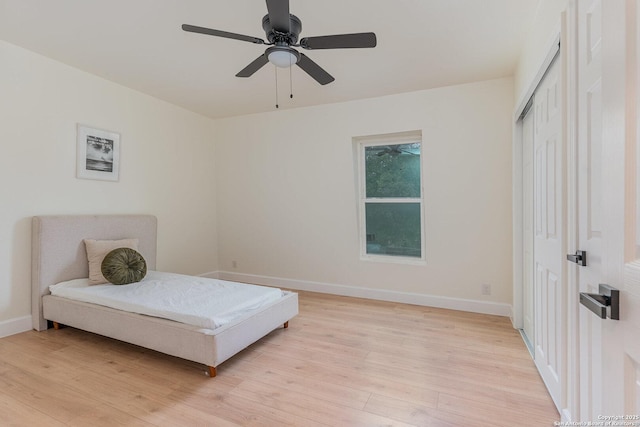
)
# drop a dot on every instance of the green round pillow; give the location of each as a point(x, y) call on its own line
point(123, 266)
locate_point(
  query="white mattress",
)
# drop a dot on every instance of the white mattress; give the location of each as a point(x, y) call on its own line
point(198, 301)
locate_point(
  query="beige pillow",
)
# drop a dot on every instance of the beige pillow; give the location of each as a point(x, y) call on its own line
point(98, 249)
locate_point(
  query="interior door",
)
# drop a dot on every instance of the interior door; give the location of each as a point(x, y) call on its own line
point(607, 197)
point(590, 199)
point(549, 234)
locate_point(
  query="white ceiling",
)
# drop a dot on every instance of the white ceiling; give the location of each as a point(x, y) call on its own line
point(422, 44)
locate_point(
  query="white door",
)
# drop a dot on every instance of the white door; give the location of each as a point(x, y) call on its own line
point(606, 198)
point(527, 225)
point(549, 234)
point(590, 199)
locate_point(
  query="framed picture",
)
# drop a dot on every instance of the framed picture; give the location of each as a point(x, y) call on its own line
point(98, 154)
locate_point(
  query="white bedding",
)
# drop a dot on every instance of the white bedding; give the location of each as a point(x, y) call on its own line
point(199, 301)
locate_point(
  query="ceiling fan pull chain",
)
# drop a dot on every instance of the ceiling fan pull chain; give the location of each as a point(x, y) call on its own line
point(276, 68)
point(290, 79)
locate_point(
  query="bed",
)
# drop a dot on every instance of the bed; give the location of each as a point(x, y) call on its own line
point(59, 255)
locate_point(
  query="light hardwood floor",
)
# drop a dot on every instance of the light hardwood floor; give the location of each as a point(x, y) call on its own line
point(342, 362)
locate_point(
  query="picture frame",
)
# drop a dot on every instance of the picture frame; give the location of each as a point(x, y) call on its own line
point(97, 154)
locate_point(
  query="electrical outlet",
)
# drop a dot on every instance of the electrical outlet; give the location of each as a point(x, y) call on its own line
point(234, 264)
point(486, 289)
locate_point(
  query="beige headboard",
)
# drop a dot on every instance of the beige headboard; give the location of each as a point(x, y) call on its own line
point(58, 252)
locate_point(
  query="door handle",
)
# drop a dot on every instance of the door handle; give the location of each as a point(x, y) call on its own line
point(598, 303)
point(580, 258)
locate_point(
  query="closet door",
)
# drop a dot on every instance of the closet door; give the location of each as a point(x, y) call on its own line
point(549, 266)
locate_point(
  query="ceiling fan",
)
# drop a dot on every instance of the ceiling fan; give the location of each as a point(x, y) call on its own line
point(282, 30)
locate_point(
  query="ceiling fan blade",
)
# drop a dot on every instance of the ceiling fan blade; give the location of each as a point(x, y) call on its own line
point(218, 33)
point(258, 63)
point(314, 70)
point(340, 41)
point(279, 15)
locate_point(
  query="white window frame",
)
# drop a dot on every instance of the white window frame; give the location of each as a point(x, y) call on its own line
point(359, 144)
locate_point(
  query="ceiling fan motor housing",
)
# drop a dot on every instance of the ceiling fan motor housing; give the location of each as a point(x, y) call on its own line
point(279, 37)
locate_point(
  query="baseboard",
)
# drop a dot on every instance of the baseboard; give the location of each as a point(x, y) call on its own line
point(15, 326)
point(211, 275)
point(473, 306)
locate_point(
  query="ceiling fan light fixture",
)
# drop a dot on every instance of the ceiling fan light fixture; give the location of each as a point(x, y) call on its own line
point(283, 57)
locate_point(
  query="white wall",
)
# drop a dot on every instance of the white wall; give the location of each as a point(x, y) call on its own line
point(286, 204)
point(287, 199)
point(167, 166)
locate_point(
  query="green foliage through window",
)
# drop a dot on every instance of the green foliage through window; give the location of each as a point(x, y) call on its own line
point(392, 170)
point(393, 227)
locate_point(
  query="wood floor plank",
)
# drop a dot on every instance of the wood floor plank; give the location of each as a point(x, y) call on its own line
point(362, 378)
point(13, 412)
point(419, 415)
point(56, 399)
point(500, 416)
point(342, 361)
point(297, 382)
point(309, 408)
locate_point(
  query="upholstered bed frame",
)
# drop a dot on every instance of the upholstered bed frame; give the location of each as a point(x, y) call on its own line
point(58, 254)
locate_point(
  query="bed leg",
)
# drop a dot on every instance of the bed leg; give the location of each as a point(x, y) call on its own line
point(286, 324)
point(212, 371)
point(56, 325)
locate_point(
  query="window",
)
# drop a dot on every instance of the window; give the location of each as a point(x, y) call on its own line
point(390, 187)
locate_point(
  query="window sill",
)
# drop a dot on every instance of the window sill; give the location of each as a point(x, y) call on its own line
point(393, 259)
